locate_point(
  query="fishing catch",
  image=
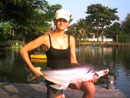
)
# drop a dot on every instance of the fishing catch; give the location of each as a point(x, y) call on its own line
point(82, 72)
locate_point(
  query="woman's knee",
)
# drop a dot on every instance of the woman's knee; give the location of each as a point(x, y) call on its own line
point(88, 87)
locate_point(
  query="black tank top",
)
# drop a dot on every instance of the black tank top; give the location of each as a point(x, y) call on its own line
point(58, 58)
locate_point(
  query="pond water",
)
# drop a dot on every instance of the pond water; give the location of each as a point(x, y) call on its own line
point(116, 58)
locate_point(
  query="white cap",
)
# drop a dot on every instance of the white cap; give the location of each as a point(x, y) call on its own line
point(62, 14)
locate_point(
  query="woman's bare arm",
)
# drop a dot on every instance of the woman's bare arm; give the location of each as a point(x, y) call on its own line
point(31, 46)
point(72, 50)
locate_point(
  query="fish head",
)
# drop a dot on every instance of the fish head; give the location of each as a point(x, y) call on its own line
point(101, 73)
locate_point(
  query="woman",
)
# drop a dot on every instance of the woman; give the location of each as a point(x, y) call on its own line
point(60, 53)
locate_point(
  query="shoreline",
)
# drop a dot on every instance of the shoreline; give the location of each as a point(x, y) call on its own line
point(102, 44)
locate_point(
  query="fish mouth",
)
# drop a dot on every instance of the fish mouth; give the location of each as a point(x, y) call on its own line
point(106, 71)
point(101, 73)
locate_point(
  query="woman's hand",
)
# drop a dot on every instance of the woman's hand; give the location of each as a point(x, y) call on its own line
point(37, 71)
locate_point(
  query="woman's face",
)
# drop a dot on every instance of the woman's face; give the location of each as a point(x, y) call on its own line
point(62, 24)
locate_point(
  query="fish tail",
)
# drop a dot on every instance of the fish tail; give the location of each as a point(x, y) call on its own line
point(31, 77)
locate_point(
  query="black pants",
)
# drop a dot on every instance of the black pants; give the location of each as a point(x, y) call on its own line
point(52, 92)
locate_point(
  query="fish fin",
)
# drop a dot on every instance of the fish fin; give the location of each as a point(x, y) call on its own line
point(31, 77)
point(58, 87)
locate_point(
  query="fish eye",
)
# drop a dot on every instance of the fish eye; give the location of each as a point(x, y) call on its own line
point(105, 71)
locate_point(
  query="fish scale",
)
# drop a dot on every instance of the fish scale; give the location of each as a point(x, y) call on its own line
point(63, 77)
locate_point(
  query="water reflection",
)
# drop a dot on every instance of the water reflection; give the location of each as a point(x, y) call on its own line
point(116, 58)
point(95, 56)
point(12, 66)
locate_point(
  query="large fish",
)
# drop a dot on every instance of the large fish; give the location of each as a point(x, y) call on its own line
point(83, 72)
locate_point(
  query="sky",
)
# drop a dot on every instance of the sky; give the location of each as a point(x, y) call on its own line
point(77, 8)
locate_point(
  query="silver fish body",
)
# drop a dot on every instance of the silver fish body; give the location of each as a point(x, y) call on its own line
point(63, 77)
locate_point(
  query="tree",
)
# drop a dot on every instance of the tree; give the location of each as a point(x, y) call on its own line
point(126, 25)
point(5, 32)
point(125, 29)
point(29, 18)
point(114, 31)
point(80, 30)
point(100, 17)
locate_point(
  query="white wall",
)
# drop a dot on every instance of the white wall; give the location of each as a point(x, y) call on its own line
point(100, 39)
